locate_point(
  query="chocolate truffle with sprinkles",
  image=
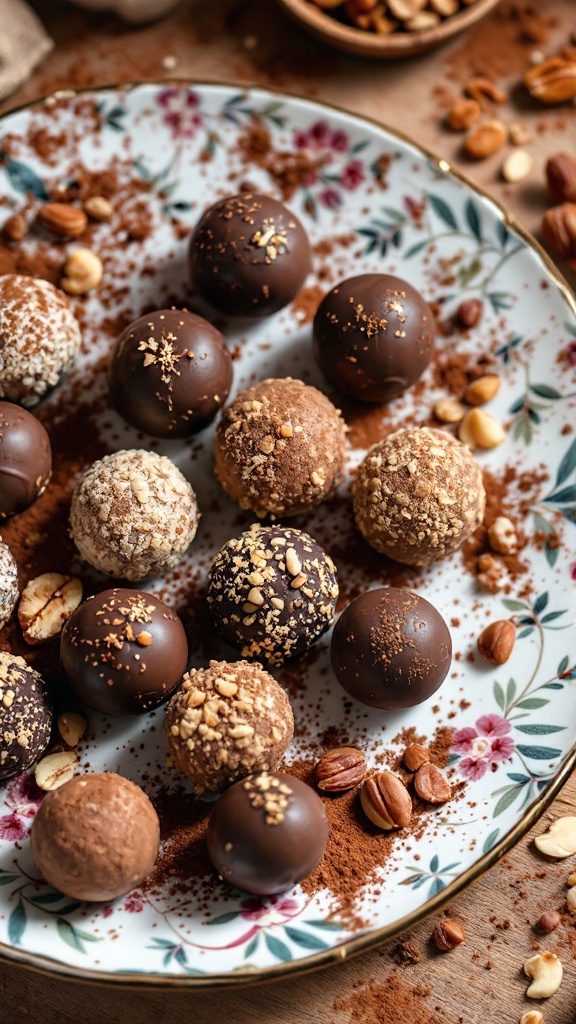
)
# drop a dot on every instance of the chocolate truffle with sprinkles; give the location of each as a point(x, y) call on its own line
point(133, 515)
point(123, 651)
point(272, 592)
point(25, 459)
point(227, 721)
point(8, 583)
point(25, 715)
point(39, 338)
point(418, 495)
point(280, 448)
point(249, 255)
point(170, 373)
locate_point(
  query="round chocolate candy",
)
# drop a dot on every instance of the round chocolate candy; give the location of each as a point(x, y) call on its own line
point(267, 832)
point(123, 651)
point(170, 373)
point(8, 583)
point(25, 715)
point(390, 649)
point(25, 459)
point(249, 255)
point(373, 336)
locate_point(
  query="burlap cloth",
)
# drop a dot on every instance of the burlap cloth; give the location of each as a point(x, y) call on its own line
point(23, 43)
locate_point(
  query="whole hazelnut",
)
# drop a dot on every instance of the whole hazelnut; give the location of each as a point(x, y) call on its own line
point(561, 177)
point(559, 230)
point(549, 921)
point(447, 935)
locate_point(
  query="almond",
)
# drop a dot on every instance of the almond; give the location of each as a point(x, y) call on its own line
point(483, 389)
point(496, 642)
point(98, 208)
point(415, 756)
point(63, 220)
point(485, 138)
point(559, 230)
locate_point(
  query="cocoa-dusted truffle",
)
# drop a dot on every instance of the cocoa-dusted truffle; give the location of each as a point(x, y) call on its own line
point(39, 338)
point(8, 583)
point(25, 715)
point(267, 832)
point(418, 495)
point(373, 336)
point(25, 459)
point(280, 448)
point(123, 651)
point(170, 373)
point(272, 592)
point(390, 649)
point(133, 514)
point(96, 837)
point(228, 721)
point(249, 255)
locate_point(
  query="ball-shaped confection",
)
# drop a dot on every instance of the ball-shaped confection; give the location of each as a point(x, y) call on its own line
point(8, 583)
point(25, 459)
point(227, 721)
point(123, 651)
point(272, 592)
point(280, 448)
point(391, 649)
point(418, 495)
point(170, 373)
point(96, 837)
point(39, 338)
point(25, 715)
point(249, 255)
point(267, 832)
point(133, 515)
point(373, 336)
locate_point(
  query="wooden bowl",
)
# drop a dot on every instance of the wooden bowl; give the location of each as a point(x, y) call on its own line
point(367, 44)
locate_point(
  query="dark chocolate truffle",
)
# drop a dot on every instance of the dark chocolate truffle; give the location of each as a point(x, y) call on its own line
point(25, 715)
point(8, 583)
point(96, 837)
point(249, 255)
point(272, 592)
point(123, 651)
point(267, 832)
point(390, 649)
point(25, 459)
point(373, 336)
point(280, 448)
point(170, 373)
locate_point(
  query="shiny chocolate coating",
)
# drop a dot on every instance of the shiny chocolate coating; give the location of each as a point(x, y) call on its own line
point(267, 832)
point(170, 373)
point(25, 716)
point(249, 255)
point(25, 459)
point(123, 651)
point(391, 649)
point(373, 336)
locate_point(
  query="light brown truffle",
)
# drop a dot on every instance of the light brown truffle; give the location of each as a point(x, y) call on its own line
point(8, 583)
point(418, 496)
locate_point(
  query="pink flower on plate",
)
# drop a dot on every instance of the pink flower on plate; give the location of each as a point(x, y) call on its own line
point(321, 136)
point(571, 353)
point(275, 910)
point(485, 745)
point(23, 798)
point(331, 198)
point(352, 175)
point(181, 112)
point(133, 904)
point(573, 570)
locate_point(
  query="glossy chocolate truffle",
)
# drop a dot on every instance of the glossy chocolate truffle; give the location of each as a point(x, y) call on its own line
point(267, 832)
point(227, 721)
point(249, 255)
point(39, 338)
point(8, 583)
point(170, 373)
point(418, 495)
point(25, 459)
point(25, 715)
point(133, 515)
point(123, 651)
point(390, 649)
point(373, 336)
point(96, 837)
point(272, 592)
point(280, 448)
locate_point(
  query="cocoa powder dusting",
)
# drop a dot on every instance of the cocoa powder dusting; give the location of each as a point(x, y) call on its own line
point(394, 999)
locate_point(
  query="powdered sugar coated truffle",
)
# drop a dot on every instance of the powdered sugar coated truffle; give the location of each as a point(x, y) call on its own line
point(8, 583)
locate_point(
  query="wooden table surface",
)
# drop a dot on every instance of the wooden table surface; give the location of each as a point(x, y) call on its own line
point(481, 982)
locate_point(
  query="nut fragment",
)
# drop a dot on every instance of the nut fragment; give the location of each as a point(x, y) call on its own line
point(386, 801)
point(552, 81)
point(448, 410)
point(98, 208)
point(546, 970)
point(484, 91)
point(447, 935)
point(405, 9)
point(463, 115)
point(571, 880)
point(469, 312)
point(485, 138)
point(571, 899)
point(483, 389)
point(480, 430)
point(47, 602)
point(532, 1017)
point(517, 165)
point(559, 230)
point(15, 227)
point(496, 642)
point(561, 177)
point(519, 134)
point(55, 769)
point(63, 220)
point(431, 784)
point(502, 535)
point(549, 921)
point(415, 756)
point(71, 727)
point(489, 573)
point(340, 769)
point(559, 840)
point(82, 272)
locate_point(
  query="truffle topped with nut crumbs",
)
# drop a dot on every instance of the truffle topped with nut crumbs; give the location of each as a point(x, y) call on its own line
point(8, 583)
point(25, 715)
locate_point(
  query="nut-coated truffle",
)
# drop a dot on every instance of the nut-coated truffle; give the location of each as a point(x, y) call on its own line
point(418, 495)
point(280, 448)
point(96, 837)
point(227, 721)
point(8, 583)
point(25, 459)
point(25, 715)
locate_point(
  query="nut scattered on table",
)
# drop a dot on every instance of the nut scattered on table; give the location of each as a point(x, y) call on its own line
point(82, 272)
point(479, 429)
point(14, 228)
point(47, 602)
point(463, 114)
point(517, 165)
point(502, 535)
point(448, 410)
point(484, 91)
point(483, 389)
point(340, 769)
point(447, 935)
point(63, 220)
point(496, 641)
point(415, 756)
point(469, 312)
point(519, 134)
point(571, 880)
point(532, 1017)
point(72, 727)
point(546, 971)
point(559, 230)
point(559, 840)
point(431, 784)
point(549, 920)
point(386, 801)
point(485, 138)
point(561, 177)
point(552, 81)
point(55, 769)
point(98, 208)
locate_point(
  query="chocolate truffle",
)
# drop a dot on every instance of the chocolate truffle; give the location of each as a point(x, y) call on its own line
point(96, 837)
point(267, 832)
point(373, 336)
point(390, 649)
point(249, 255)
point(25, 715)
point(227, 721)
point(25, 459)
point(8, 583)
point(280, 448)
point(170, 373)
point(272, 592)
point(123, 652)
point(133, 515)
point(418, 495)
point(39, 338)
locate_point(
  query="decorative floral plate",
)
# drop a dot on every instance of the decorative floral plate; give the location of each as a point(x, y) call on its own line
point(371, 201)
